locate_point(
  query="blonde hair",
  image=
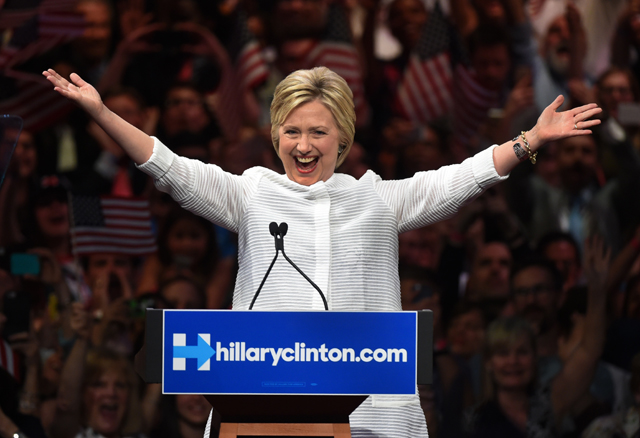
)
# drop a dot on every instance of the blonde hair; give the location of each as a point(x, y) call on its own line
point(320, 84)
point(503, 333)
point(101, 360)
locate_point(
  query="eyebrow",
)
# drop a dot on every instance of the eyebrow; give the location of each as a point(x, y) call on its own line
point(310, 128)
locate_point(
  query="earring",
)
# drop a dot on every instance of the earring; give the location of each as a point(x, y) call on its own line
point(341, 149)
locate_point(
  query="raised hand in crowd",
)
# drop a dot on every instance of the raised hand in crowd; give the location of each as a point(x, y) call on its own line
point(579, 366)
point(132, 16)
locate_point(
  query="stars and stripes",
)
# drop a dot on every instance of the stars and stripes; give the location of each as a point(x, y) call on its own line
point(336, 52)
point(33, 100)
point(250, 64)
point(472, 103)
point(110, 224)
point(16, 12)
point(425, 91)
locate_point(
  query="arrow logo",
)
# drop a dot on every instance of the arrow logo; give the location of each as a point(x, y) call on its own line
point(202, 352)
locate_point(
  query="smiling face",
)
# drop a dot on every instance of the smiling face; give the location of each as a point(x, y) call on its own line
point(106, 402)
point(309, 140)
point(512, 367)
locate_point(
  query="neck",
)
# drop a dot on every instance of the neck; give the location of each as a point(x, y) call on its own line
point(190, 430)
point(514, 399)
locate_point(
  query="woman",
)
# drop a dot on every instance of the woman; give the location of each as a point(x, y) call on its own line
point(337, 225)
point(98, 394)
point(517, 404)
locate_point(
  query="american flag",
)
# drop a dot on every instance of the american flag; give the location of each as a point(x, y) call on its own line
point(336, 52)
point(32, 98)
point(250, 64)
point(9, 360)
point(16, 12)
point(110, 224)
point(472, 103)
point(425, 91)
point(40, 34)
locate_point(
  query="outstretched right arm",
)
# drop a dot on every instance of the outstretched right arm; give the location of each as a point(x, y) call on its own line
point(137, 144)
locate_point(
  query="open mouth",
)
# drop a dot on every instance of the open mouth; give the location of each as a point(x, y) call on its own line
point(306, 164)
point(109, 411)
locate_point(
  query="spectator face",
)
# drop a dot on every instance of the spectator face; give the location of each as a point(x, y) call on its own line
point(491, 9)
point(93, 46)
point(187, 241)
point(102, 265)
point(421, 247)
point(406, 19)
point(423, 155)
point(193, 409)
point(52, 217)
point(106, 401)
point(614, 90)
point(513, 367)
point(182, 295)
point(565, 256)
point(556, 48)
point(299, 18)
point(184, 111)
point(492, 64)
point(25, 155)
point(577, 161)
point(309, 143)
point(126, 107)
point(466, 334)
point(535, 297)
point(489, 276)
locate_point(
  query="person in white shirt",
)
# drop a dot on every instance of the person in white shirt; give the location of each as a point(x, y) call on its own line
point(343, 232)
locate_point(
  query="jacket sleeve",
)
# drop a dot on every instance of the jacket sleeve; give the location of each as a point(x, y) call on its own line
point(204, 189)
point(432, 196)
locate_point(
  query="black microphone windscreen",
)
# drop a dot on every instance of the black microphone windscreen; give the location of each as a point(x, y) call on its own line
point(283, 229)
point(273, 228)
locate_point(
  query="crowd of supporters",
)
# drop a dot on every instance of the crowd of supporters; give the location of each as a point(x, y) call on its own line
point(534, 286)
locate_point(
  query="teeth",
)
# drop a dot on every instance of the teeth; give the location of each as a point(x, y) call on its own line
point(305, 160)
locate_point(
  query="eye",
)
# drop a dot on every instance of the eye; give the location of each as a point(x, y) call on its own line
point(290, 132)
point(318, 132)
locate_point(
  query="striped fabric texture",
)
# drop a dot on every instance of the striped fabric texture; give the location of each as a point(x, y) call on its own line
point(111, 224)
point(343, 233)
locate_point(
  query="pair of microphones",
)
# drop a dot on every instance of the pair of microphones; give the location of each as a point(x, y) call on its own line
point(278, 232)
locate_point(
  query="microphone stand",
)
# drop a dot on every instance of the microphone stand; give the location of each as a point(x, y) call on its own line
point(278, 233)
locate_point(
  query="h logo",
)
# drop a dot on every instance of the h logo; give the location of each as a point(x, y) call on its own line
point(202, 352)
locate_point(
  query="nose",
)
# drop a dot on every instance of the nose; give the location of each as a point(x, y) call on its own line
point(304, 145)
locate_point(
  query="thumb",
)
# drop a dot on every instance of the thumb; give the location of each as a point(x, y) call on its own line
point(557, 103)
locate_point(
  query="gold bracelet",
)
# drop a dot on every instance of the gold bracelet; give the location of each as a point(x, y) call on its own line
point(532, 155)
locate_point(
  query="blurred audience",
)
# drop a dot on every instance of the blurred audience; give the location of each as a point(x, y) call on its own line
point(535, 332)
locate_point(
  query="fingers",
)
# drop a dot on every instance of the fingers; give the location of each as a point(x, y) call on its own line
point(587, 114)
point(77, 80)
point(584, 108)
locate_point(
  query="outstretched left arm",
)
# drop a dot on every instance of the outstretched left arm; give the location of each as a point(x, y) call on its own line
point(551, 125)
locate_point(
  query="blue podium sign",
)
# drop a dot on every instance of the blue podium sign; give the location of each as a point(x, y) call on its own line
point(322, 353)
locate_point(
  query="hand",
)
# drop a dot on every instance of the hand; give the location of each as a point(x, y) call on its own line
point(79, 91)
point(554, 125)
point(207, 45)
point(596, 262)
point(132, 16)
point(580, 92)
point(27, 344)
point(139, 41)
point(50, 272)
point(521, 97)
point(79, 321)
point(578, 40)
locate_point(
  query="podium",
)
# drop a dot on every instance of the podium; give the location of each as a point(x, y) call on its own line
point(286, 373)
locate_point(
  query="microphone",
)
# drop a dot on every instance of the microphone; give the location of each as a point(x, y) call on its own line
point(278, 232)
